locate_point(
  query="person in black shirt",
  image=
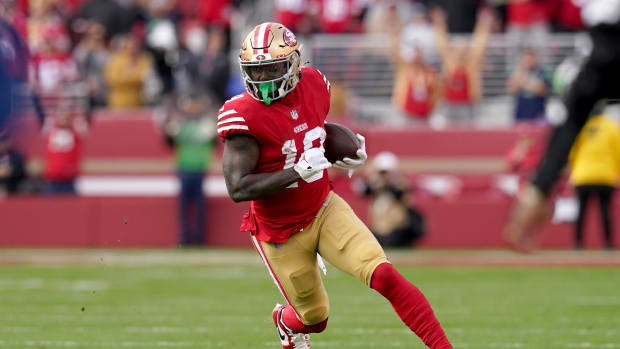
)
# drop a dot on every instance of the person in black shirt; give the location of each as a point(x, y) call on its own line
point(597, 79)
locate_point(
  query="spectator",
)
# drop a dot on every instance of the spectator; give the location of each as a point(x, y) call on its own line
point(187, 70)
point(595, 169)
point(416, 34)
point(384, 16)
point(215, 68)
point(162, 42)
point(528, 23)
point(45, 27)
point(118, 17)
point(293, 15)
point(461, 66)
point(91, 55)
point(12, 14)
point(216, 12)
point(338, 16)
point(193, 136)
point(125, 74)
point(64, 134)
point(203, 62)
point(393, 221)
point(52, 67)
point(530, 86)
point(12, 169)
point(416, 83)
point(416, 87)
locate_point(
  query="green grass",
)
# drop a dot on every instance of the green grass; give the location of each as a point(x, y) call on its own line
point(220, 306)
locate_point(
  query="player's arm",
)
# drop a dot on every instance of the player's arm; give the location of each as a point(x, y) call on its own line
point(438, 18)
point(241, 154)
point(240, 157)
point(481, 35)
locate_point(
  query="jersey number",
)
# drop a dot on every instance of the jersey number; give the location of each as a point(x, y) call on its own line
point(290, 150)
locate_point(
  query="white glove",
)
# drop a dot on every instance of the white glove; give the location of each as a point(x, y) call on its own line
point(352, 164)
point(311, 164)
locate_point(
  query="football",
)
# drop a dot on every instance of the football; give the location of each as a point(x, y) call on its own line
point(340, 142)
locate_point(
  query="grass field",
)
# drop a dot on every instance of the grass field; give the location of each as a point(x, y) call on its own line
point(223, 299)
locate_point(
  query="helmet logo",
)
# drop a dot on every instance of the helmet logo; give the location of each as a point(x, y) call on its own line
point(289, 38)
point(260, 57)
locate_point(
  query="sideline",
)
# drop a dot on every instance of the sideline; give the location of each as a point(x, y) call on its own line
point(208, 256)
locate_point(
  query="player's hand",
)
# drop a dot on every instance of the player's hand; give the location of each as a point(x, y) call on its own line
point(352, 164)
point(531, 211)
point(312, 162)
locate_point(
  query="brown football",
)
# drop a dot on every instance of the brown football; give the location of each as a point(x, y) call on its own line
point(340, 142)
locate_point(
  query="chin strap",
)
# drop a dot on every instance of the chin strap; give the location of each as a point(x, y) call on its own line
point(265, 89)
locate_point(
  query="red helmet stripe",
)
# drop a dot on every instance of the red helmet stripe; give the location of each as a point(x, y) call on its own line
point(266, 38)
point(255, 42)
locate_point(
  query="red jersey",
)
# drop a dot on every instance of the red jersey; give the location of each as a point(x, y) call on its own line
point(526, 13)
point(457, 87)
point(337, 16)
point(419, 102)
point(290, 12)
point(62, 154)
point(49, 72)
point(217, 12)
point(284, 130)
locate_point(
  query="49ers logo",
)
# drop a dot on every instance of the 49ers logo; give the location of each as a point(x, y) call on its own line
point(289, 38)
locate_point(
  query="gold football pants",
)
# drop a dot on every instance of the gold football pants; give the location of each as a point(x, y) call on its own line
point(341, 238)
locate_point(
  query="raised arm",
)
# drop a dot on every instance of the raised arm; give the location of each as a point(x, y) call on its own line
point(438, 17)
point(240, 157)
point(481, 35)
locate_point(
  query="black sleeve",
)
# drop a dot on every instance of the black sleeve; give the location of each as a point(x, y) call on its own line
point(594, 82)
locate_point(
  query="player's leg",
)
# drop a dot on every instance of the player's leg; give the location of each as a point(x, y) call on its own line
point(605, 194)
point(583, 193)
point(184, 209)
point(293, 267)
point(594, 82)
point(349, 245)
point(199, 199)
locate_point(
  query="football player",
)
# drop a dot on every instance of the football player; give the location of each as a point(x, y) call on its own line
point(274, 157)
point(597, 79)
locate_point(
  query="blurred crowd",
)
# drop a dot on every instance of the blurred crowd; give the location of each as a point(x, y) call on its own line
point(130, 53)
point(123, 54)
point(78, 55)
point(439, 50)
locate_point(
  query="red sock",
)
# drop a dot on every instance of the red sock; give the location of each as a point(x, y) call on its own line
point(290, 320)
point(410, 305)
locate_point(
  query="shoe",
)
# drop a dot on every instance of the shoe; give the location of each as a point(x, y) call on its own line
point(289, 339)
